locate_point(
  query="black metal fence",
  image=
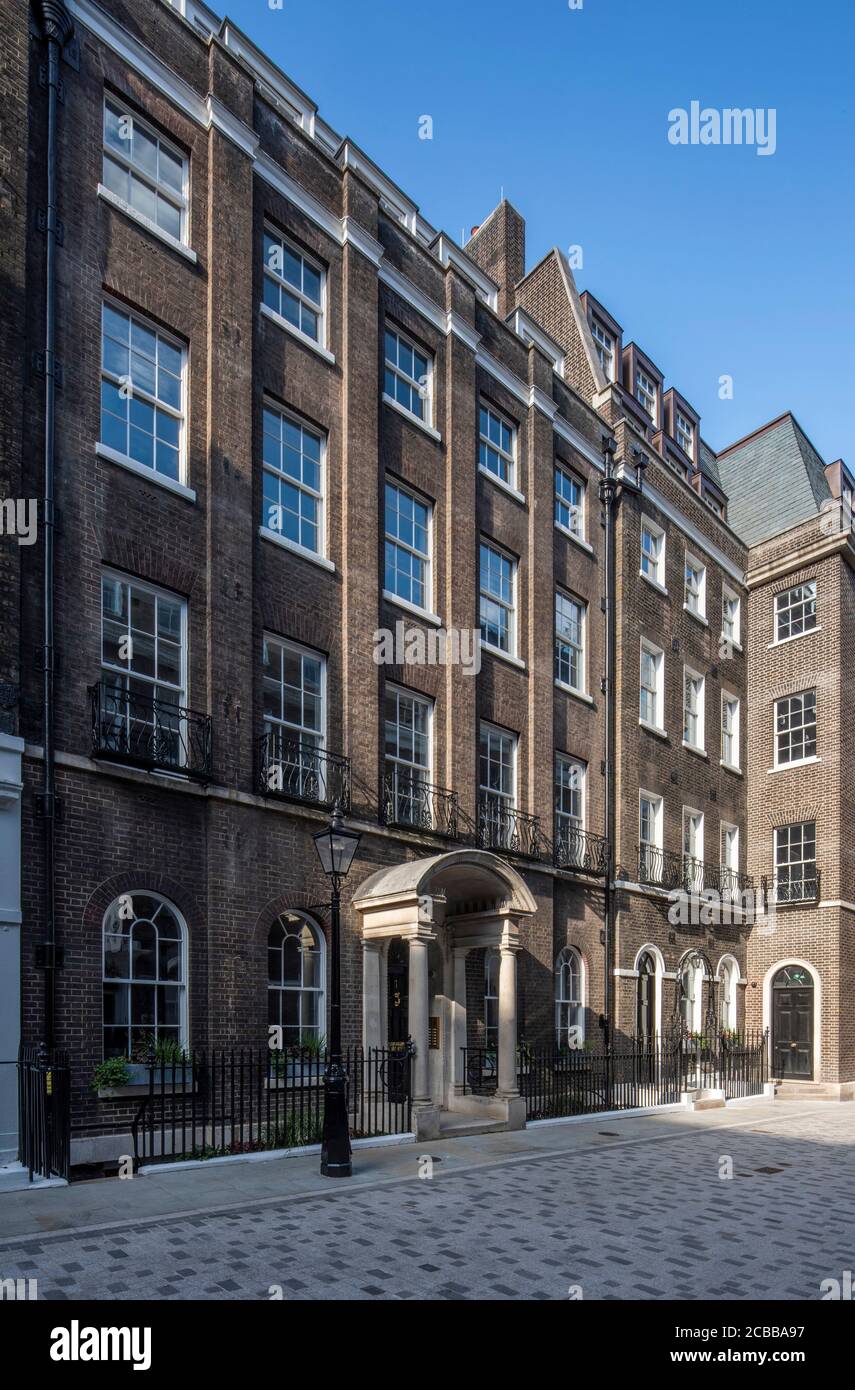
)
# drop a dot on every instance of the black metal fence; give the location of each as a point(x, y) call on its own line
point(44, 1112)
point(300, 771)
point(637, 1073)
point(216, 1104)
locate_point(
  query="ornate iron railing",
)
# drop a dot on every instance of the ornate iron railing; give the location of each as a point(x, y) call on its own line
point(249, 1100)
point(149, 732)
point(415, 804)
point(802, 888)
point(669, 870)
point(298, 771)
point(580, 850)
point(502, 827)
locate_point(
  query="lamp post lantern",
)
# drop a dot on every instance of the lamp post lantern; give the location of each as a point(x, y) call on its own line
point(336, 847)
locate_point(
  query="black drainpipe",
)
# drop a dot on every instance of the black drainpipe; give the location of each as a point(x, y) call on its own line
point(57, 28)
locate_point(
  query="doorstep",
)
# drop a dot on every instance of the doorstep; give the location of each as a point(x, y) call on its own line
point(14, 1177)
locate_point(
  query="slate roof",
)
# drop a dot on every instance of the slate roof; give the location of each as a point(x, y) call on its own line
point(774, 480)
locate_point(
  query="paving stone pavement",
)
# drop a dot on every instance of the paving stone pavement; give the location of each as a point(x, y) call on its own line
point(639, 1218)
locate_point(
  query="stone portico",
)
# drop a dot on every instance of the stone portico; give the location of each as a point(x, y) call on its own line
point(436, 911)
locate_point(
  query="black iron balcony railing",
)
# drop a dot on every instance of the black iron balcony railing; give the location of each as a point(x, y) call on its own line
point(504, 828)
point(669, 870)
point(578, 849)
point(148, 732)
point(298, 771)
point(415, 804)
point(801, 886)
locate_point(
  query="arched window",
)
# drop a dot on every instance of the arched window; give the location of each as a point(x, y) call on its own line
point(295, 980)
point(569, 1004)
point(145, 977)
point(728, 974)
point(491, 999)
point(691, 995)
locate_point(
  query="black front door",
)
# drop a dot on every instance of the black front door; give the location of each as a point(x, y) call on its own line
point(398, 1012)
point(792, 1024)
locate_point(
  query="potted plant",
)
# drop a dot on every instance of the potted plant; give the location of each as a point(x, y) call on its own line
point(110, 1075)
point(303, 1061)
point(163, 1060)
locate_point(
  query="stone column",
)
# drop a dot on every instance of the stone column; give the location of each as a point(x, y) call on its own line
point(372, 1028)
point(418, 1018)
point(508, 1023)
point(458, 1019)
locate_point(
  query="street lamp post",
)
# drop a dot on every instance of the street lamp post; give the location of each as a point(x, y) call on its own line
point(614, 485)
point(336, 848)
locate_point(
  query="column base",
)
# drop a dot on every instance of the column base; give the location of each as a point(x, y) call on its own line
point(514, 1105)
point(425, 1120)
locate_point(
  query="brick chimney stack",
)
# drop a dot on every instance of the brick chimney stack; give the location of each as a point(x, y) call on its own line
point(498, 247)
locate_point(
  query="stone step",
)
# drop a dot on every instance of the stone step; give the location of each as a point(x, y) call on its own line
point(709, 1103)
point(454, 1126)
point(14, 1177)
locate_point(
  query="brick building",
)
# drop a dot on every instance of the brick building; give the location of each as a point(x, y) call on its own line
point(294, 415)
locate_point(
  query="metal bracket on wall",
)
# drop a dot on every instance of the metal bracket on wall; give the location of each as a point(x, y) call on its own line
point(42, 225)
point(49, 957)
point(38, 364)
point(40, 801)
point(43, 81)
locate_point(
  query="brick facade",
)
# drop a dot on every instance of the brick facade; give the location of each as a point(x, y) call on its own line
point(229, 858)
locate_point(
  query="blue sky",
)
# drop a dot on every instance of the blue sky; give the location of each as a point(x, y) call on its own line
point(714, 259)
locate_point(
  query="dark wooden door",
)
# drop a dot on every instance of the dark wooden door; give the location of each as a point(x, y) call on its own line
point(398, 977)
point(646, 1021)
point(792, 1025)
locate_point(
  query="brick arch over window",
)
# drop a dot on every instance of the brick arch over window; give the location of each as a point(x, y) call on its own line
point(143, 880)
point(289, 902)
point(146, 562)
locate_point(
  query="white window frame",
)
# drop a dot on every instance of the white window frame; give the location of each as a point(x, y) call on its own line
point(605, 344)
point(284, 286)
point(782, 607)
point(575, 511)
point(423, 390)
point(579, 770)
point(120, 381)
point(700, 714)
point(728, 977)
point(181, 200)
point(696, 973)
point(657, 534)
point(728, 840)
point(293, 922)
point(696, 566)
point(485, 442)
point(128, 981)
point(734, 636)
point(510, 606)
point(656, 818)
point(779, 734)
point(563, 1005)
point(731, 701)
point(693, 835)
point(647, 389)
point(486, 793)
point(393, 763)
point(580, 647)
point(426, 558)
point(659, 692)
point(301, 733)
point(684, 430)
point(285, 478)
point(178, 695)
point(789, 863)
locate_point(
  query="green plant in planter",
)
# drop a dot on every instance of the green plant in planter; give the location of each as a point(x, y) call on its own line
point(111, 1074)
point(161, 1051)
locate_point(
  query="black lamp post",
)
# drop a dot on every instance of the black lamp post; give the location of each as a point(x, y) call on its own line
point(615, 483)
point(336, 848)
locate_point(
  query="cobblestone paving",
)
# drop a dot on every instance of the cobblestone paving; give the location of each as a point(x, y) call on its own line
point(633, 1220)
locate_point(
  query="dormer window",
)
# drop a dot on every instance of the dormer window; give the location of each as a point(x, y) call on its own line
point(645, 392)
point(684, 432)
point(605, 345)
